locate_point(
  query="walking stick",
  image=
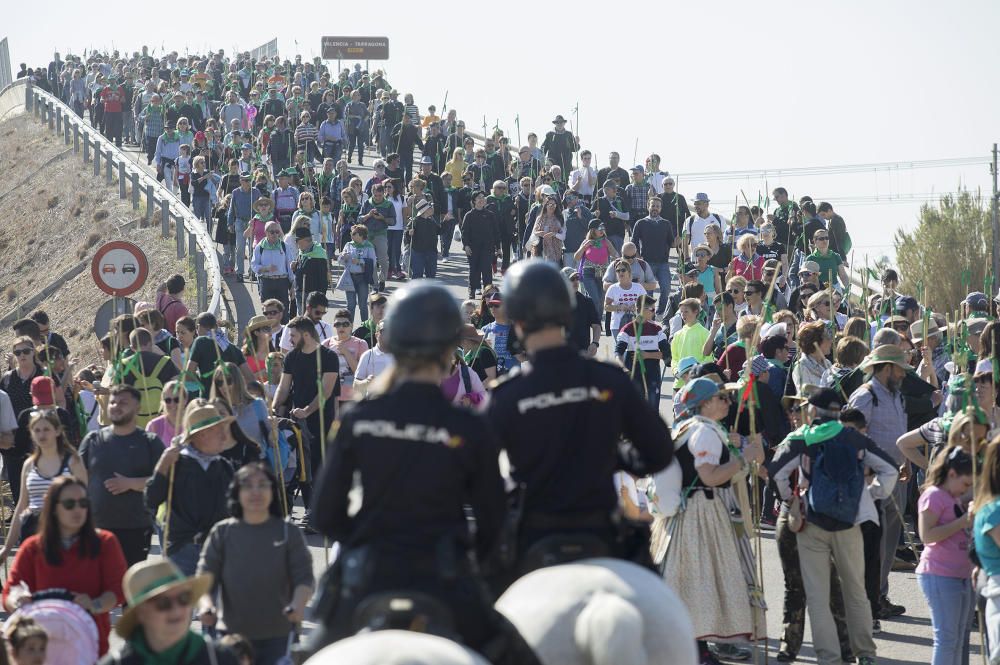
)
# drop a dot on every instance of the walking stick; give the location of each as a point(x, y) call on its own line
point(321, 397)
point(638, 324)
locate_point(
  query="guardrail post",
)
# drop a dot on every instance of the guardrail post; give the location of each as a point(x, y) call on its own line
point(86, 147)
point(150, 204)
point(59, 119)
point(199, 279)
point(34, 105)
point(122, 190)
point(66, 131)
point(179, 221)
point(135, 190)
point(108, 165)
point(192, 245)
point(165, 218)
point(76, 139)
point(97, 157)
point(52, 118)
point(28, 97)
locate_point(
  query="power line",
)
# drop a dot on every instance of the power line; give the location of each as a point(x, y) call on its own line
point(836, 169)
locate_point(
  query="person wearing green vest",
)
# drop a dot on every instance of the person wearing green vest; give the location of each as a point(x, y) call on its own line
point(690, 339)
point(829, 262)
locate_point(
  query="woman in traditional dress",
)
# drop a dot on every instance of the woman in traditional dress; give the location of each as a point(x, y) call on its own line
point(704, 552)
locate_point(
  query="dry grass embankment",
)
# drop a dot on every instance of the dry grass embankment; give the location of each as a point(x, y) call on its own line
point(56, 219)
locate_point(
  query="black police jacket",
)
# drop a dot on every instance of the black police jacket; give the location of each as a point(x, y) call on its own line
point(561, 416)
point(420, 459)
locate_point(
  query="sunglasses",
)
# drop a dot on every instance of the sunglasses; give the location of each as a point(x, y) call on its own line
point(723, 397)
point(262, 486)
point(341, 324)
point(171, 400)
point(70, 504)
point(167, 603)
point(806, 273)
point(271, 312)
point(749, 292)
point(494, 305)
point(23, 352)
point(818, 238)
point(319, 312)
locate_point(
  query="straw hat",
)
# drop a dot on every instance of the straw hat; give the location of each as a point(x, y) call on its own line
point(148, 579)
point(258, 322)
point(917, 330)
point(200, 417)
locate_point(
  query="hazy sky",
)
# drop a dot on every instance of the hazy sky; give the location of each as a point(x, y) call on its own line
point(710, 86)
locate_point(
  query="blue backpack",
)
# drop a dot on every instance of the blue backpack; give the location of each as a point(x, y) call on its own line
point(837, 481)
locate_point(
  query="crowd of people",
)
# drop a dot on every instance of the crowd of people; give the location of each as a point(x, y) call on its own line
point(836, 422)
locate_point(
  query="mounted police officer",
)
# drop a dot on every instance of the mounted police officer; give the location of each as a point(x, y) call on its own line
point(419, 461)
point(561, 418)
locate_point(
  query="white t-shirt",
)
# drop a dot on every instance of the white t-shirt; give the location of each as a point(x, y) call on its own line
point(373, 362)
point(696, 226)
point(587, 177)
point(8, 420)
point(323, 329)
point(397, 205)
point(620, 296)
point(655, 180)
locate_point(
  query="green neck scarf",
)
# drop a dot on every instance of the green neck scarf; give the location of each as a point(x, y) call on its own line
point(314, 252)
point(267, 244)
point(822, 432)
point(181, 652)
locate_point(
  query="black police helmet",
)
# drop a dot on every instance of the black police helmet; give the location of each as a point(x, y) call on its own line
point(422, 320)
point(536, 295)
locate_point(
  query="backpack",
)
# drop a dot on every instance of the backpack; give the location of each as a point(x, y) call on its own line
point(837, 481)
point(149, 386)
point(285, 450)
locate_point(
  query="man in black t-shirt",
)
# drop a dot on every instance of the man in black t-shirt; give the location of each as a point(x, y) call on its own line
point(299, 386)
point(119, 460)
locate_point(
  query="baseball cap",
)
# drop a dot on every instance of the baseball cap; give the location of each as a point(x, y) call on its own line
point(976, 300)
point(809, 266)
point(906, 303)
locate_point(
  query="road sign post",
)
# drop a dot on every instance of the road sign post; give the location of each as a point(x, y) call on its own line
point(119, 268)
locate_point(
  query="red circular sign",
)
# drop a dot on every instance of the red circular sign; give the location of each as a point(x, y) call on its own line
point(119, 268)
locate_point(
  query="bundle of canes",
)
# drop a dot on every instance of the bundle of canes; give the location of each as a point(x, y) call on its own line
point(748, 400)
point(638, 322)
point(182, 397)
point(321, 401)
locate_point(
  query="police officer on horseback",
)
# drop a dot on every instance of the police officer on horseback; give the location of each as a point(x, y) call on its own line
point(561, 419)
point(421, 463)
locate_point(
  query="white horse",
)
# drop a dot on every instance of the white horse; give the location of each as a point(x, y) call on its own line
point(600, 612)
point(396, 647)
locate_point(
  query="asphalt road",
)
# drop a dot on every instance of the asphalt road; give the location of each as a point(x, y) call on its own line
point(907, 639)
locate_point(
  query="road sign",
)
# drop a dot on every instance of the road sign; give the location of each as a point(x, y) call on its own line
point(109, 310)
point(355, 48)
point(119, 268)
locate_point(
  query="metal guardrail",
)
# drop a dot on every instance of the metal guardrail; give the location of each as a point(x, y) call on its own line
point(199, 247)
